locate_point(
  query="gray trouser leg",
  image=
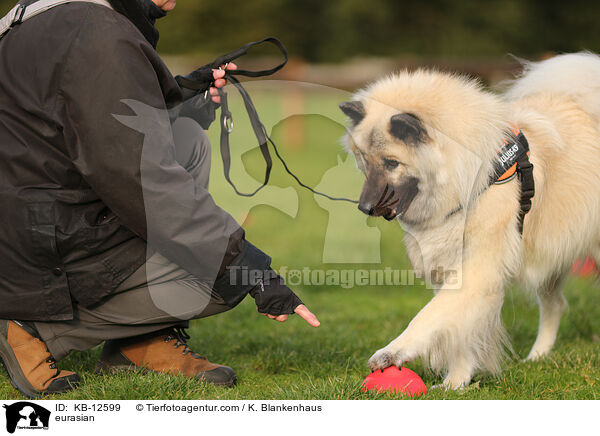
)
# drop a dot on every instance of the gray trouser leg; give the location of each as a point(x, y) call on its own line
point(158, 295)
point(192, 149)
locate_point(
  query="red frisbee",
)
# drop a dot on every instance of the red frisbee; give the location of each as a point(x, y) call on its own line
point(402, 381)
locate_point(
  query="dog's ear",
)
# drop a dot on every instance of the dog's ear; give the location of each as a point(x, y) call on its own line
point(408, 128)
point(354, 110)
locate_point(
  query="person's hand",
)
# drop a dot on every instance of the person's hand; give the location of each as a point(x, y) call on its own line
point(276, 301)
point(301, 310)
point(220, 82)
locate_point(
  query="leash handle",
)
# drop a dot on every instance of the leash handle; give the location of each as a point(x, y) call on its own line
point(231, 56)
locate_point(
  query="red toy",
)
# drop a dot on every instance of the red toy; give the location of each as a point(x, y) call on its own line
point(585, 267)
point(402, 381)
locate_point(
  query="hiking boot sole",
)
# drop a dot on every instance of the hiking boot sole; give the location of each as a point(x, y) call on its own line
point(103, 368)
point(19, 381)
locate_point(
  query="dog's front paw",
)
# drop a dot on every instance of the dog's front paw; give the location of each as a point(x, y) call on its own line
point(389, 356)
point(537, 355)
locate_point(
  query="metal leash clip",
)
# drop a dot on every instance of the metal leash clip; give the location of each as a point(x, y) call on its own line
point(228, 123)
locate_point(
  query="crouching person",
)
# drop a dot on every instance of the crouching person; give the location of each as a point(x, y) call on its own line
point(109, 233)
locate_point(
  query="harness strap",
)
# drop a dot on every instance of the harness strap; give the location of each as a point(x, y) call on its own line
point(505, 166)
point(525, 173)
point(513, 161)
point(21, 13)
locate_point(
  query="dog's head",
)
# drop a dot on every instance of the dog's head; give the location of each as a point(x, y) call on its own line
point(422, 141)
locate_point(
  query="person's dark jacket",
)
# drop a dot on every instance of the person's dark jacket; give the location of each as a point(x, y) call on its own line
point(89, 184)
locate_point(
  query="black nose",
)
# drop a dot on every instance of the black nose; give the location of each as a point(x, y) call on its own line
point(366, 208)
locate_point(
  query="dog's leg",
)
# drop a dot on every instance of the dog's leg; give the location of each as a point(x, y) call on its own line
point(459, 331)
point(460, 373)
point(552, 304)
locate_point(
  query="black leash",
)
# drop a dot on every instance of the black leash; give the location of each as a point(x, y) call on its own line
point(259, 129)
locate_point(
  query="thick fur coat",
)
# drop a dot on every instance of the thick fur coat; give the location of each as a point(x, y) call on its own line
point(427, 142)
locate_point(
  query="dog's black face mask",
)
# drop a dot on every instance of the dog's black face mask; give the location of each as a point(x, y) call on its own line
point(380, 198)
point(385, 192)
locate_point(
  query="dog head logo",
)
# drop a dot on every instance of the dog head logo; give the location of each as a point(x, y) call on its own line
point(26, 415)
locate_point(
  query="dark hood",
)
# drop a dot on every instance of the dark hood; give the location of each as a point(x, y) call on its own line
point(143, 14)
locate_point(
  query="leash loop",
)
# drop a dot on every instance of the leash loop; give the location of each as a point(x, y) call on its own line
point(259, 129)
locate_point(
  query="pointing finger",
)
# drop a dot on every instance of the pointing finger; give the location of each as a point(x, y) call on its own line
point(307, 315)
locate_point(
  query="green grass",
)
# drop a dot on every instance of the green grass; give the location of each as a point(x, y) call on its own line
point(294, 361)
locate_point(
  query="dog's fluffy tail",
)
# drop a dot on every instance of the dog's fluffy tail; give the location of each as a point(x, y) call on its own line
point(577, 75)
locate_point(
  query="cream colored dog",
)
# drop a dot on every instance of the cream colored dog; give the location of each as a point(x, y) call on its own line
point(427, 142)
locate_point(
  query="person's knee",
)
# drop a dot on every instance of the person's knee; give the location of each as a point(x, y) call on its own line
point(192, 147)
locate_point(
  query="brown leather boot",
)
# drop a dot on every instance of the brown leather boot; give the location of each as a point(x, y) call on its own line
point(29, 364)
point(165, 352)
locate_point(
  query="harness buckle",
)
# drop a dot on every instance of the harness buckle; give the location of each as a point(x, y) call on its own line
point(19, 14)
point(525, 165)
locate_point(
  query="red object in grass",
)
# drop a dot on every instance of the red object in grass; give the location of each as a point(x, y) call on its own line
point(584, 268)
point(403, 381)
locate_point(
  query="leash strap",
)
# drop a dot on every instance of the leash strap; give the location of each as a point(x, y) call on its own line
point(21, 13)
point(229, 57)
point(259, 129)
point(227, 118)
point(259, 132)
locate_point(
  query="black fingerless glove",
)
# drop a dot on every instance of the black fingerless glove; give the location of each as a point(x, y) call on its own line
point(197, 81)
point(273, 297)
point(197, 104)
point(250, 273)
point(199, 108)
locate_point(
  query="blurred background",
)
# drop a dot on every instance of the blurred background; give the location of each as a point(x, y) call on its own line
point(368, 37)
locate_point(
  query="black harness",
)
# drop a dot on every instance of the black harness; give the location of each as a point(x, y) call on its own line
point(513, 161)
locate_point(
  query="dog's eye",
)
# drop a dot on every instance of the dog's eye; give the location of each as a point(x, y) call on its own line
point(390, 164)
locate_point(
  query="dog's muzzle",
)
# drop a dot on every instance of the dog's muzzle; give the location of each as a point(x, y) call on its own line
point(389, 202)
